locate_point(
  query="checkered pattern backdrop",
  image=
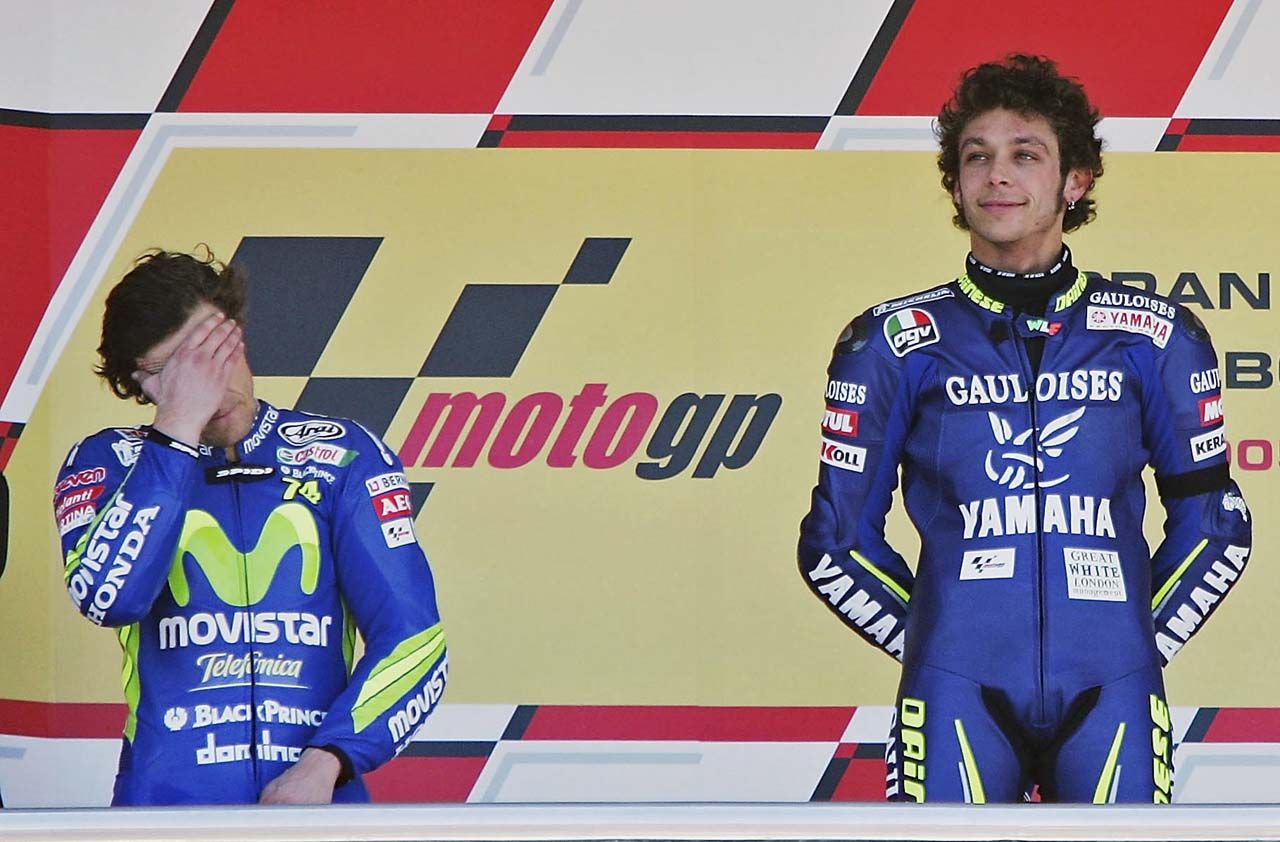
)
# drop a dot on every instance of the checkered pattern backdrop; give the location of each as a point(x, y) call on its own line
point(93, 94)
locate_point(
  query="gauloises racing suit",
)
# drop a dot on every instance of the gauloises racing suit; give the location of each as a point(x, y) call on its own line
point(236, 589)
point(1034, 629)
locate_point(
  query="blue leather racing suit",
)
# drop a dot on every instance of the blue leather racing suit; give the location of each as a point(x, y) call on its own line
point(236, 589)
point(1034, 627)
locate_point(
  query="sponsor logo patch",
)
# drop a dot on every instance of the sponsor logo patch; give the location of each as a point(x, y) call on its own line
point(988, 564)
point(175, 718)
point(1204, 381)
point(1017, 469)
point(127, 451)
point(1094, 574)
point(399, 532)
point(907, 330)
point(1094, 385)
point(386, 482)
point(1044, 326)
point(1210, 444)
point(1134, 300)
point(932, 295)
point(1131, 321)
point(75, 518)
point(298, 433)
point(89, 476)
point(308, 472)
point(392, 505)
point(1210, 410)
point(75, 499)
point(1232, 502)
point(839, 390)
point(268, 421)
point(847, 457)
point(325, 454)
point(840, 422)
point(263, 749)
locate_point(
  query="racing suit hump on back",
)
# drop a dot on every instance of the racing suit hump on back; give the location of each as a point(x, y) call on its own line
point(236, 589)
point(1034, 627)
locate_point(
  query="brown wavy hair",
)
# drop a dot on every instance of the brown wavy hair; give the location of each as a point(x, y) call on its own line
point(153, 300)
point(1031, 86)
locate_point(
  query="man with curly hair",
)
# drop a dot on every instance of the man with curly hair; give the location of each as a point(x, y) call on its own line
point(236, 548)
point(1021, 403)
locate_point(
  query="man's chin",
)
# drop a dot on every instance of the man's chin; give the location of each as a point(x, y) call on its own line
point(227, 431)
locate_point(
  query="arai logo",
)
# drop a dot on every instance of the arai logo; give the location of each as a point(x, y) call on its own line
point(299, 433)
point(910, 329)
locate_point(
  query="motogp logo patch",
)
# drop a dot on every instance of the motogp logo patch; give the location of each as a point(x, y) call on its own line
point(910, 329)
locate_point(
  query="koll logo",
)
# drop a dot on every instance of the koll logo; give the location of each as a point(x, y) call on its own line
point(843, 456)
point(910, 329)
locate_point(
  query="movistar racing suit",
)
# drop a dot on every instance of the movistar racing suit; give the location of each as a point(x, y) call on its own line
point(1034, 628)
point(236, 589)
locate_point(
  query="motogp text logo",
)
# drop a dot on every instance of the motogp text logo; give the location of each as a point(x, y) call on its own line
point(456, 429)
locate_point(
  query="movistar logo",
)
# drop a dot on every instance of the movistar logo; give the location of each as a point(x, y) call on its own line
point(289, 525)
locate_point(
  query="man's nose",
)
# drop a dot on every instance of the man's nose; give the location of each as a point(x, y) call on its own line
point(998, 173)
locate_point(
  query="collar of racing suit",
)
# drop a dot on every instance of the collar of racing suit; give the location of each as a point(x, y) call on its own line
point(1026, 292)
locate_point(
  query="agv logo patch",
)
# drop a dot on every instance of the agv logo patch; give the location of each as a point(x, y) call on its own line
point(910, 329)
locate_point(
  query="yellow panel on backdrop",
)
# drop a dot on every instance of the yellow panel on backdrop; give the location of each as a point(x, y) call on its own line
point(616, 555)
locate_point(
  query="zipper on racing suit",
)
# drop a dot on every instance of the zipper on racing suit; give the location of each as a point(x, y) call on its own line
point(254, 734)
point(1032, 375)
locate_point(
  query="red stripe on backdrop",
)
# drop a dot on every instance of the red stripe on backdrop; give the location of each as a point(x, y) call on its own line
point(863, 780)
point(352, 56)
point(62, 719)
point(415, 779)
point(709, 724)
point(56, 181)
point(7, 446)
point(1229, 143)
point(661, 140)
point(1244, 725)
point(1135, 58)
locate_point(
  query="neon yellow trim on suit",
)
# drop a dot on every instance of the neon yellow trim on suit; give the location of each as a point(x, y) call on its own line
point(392, 677)
point(1177, 574)
point(129, 677)
point(882, 576)
point(1102, 794)
point(977, 794)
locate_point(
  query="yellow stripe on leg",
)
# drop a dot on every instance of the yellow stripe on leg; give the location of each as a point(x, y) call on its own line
point(1102, 794)
point(977, 793)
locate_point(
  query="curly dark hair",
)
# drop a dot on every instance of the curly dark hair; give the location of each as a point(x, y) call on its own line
point(1031, 86)
point(154, 299)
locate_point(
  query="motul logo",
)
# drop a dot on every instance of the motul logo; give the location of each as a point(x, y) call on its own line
point(840, 422)
point(1210, 410)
